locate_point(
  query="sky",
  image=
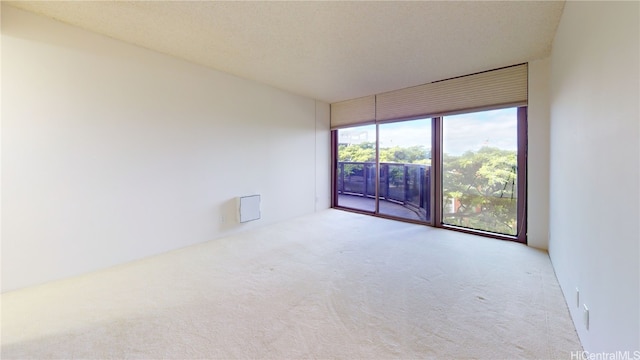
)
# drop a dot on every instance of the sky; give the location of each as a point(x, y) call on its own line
point(471, 131)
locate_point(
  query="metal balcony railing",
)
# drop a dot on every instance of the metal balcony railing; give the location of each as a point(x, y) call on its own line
point(405, 184)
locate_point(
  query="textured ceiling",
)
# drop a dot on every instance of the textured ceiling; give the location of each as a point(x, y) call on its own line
point(329, 51)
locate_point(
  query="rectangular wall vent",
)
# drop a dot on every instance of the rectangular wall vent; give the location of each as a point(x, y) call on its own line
point(249, 208)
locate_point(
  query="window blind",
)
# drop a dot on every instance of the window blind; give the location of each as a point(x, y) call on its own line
point(495, 88)
point(507, 86)
point(353, 112)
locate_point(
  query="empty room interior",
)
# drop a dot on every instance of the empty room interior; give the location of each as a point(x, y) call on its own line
point(344, 180)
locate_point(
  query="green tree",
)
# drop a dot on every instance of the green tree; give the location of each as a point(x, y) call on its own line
point(482, 186)
point(364, 152)
point(417, 154)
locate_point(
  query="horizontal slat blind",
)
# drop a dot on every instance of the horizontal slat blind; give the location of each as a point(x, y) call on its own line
point(353, 112)
point(507, 86)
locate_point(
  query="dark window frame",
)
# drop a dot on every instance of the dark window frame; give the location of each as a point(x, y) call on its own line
point(436, 180)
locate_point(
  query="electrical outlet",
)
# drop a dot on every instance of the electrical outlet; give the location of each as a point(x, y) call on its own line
point(585, 316)
point(577, 297)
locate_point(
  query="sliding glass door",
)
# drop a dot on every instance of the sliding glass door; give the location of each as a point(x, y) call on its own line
point(480, 171)
point(356, 168)
point(405, 169)
point(462, 171)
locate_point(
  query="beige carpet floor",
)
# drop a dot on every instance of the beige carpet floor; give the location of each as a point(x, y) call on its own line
point(328, 285)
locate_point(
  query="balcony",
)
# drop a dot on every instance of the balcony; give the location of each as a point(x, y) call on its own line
point(405, 189)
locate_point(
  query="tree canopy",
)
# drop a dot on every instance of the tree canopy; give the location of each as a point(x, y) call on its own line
point(479, 187)
point(366, 152)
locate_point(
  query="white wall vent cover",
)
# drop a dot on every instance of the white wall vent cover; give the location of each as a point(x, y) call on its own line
point(249, 208)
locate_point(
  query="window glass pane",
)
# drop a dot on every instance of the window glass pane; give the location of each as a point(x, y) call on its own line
point(356, 172)
point(479, 170)
point(405, 168)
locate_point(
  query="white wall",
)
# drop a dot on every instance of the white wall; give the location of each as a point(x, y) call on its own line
point(595, 182)
point(538, 154)
point(323, 156)
point(111, 152)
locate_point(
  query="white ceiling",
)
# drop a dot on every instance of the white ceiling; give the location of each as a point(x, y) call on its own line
point(330, 51)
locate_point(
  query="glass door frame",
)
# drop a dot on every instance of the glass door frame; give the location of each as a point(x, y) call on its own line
point(376, 210)
point(436, 178)
point(430, 220)
point(521, 213)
